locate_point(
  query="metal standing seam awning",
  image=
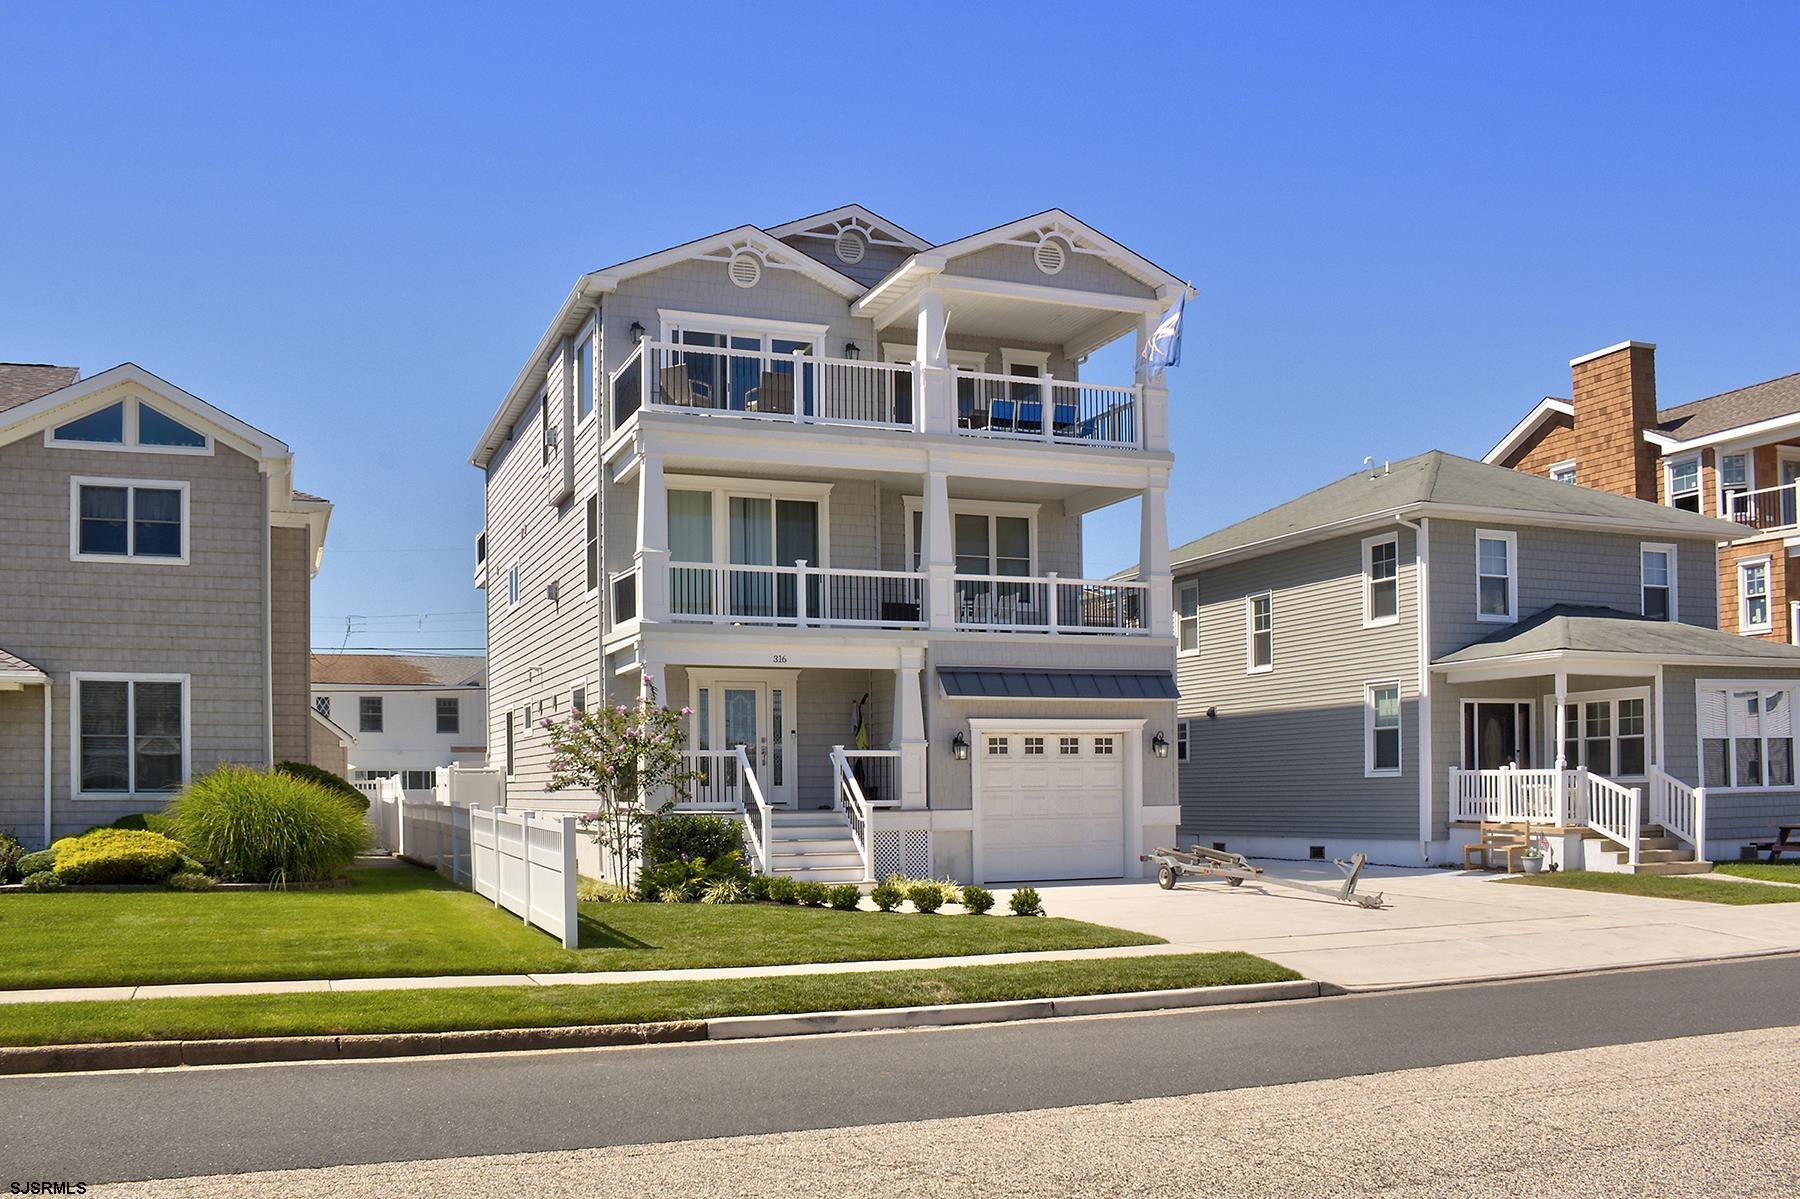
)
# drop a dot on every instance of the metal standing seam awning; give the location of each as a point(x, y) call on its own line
point(1002, 682)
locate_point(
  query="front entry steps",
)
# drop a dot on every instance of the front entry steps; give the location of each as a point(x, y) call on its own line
point(813, 846)
point(1658, 853)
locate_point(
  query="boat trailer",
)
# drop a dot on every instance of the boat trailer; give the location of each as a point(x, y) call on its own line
point(1234, 868)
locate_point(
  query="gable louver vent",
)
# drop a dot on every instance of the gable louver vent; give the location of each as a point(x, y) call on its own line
point(851, 247)
point(745, 270)
point(1051, 258)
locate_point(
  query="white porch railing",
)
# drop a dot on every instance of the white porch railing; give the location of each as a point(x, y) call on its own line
point(1051, 604)
point(799, 595)
point(725, 782)
point(1606, 807)
point(1012, 407)
point(1510, 796)
point(1679, 808)
point(854, 804)
point(763, 385)
point(1767, 507)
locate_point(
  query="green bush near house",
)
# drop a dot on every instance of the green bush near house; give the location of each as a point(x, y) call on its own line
point(154, 822)
point(844, 897)
point(267, 828)
point(43, 880)
point(337, 784)
point(11, 850)
point(1026, 902)
point(811, 894)
point(887, 897)
point(35, 863)
point(686, 836)
point(116, 855)
point(782, 890)
point(926, 897)
point(977, 899)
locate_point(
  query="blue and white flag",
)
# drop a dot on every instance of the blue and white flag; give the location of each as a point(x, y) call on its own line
point(1163, 350)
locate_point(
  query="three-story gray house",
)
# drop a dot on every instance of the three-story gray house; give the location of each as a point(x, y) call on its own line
point(822, 483)
point(156, 566)
point(1387, 662)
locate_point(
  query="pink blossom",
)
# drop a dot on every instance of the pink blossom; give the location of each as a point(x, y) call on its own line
point(647, 678)
point(687, 711)
point(544, 723)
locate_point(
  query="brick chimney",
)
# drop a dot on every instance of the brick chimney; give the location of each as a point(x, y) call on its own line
point(1615, 401)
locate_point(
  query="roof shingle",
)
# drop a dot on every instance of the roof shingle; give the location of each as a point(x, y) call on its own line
point(1732, 409)
point(23, 382)
point(400, 670)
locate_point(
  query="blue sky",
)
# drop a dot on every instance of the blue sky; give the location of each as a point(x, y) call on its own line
point(349, 226)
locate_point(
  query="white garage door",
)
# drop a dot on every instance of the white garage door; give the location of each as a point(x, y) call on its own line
point(1052, 805)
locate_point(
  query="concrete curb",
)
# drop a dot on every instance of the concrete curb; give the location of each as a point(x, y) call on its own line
point(147, 1055)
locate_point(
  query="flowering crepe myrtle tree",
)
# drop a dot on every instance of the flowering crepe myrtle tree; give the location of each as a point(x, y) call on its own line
point(631, 756)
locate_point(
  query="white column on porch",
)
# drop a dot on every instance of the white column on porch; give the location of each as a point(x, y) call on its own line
point(909, 728)
point(1560, 785)
point(1153, 560)
point(652, 540)
point(938, 557)
point(937, 408)
point(1153, 394)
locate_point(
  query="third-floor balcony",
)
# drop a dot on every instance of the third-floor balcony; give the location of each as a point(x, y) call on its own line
point(766, 387)
point(1767, 509)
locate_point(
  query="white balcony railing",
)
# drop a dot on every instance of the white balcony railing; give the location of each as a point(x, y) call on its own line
point(798, 595)
point(1011, 407)
point(1767, 508)
point(1050, 604)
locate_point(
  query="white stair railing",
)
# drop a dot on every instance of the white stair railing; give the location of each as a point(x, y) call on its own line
point(725, 782)
point(1614, 811)
point(855, 807)
point(756, 823)
point(1679, 808)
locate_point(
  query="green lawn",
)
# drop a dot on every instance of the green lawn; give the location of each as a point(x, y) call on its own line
point(404, 921)
point(1657, 886)
point(1779, 872)
point(618, 1003)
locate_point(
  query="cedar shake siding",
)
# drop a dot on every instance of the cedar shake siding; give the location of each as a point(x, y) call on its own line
point(290, 639)
point(1552, 443)
point(1615, 401)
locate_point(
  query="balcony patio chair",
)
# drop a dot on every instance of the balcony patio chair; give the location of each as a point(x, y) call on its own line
point(774, 395)
point(674, 387)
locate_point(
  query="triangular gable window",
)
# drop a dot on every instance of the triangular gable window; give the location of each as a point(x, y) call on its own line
point(103, 425)
point(156, 429)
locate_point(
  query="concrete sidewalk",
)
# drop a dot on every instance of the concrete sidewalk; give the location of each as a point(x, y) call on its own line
point(1439, 926)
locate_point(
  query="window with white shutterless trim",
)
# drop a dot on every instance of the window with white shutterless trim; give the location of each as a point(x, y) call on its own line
point(136, 520)
point(1753, 596)
point(1683, 482)
point(512, 586)
point(1259, 627)
point(1496, 576)
point(130, 733)
point(584, 378)
point(1735, 479)
point(1563, 472)
point(1381, 579)
point(1187, 617)
point(1657, 571)
point(132, 425)
point(1746, 735)
point(593, 543)
point(1381, 730)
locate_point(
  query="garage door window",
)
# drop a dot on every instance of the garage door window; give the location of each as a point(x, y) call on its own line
point(1034, 747)
point(998, 747)
point(1069, 745)
point(1103, 745)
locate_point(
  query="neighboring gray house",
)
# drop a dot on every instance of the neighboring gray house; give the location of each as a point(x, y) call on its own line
point(827, 475)
point(1387, 661)
point(157, 567)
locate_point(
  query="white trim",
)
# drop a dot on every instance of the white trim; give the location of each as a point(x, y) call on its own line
point(1757, 431)
point(1250, 666)
point(725, 488)
point(1370, 770)
point(716, 679)
point(1511, 539)
point(1056, 222)
point(1368, 580)
point(592, 500)
point(847, 216)
point(1699, 493)
point(1613, 349)
point(1011, 356)
point(1185, 585)
point(589, 333)
point(988, 508)
point(1768, 594)
point(1556, 468)
point(908, 351)
point(1673, 555)
point(1792, 691)
point(130, 434)
point(76, 679)
point(1527, 425)
point(1464, 703)
point(1747, 453)
point(130, 556)
point(737, 326)
point(24, 418)
point(1183, 739)
point(1427, 772)
point(1575, 700)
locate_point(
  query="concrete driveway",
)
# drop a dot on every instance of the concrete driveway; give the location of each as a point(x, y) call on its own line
point(1438, 926)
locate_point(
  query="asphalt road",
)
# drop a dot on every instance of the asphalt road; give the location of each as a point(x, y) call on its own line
point(176, 1123)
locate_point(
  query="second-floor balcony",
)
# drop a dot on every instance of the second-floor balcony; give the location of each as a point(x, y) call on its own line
point(1768, 509)
point(799, 389)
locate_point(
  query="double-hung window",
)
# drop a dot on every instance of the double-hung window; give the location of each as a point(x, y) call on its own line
point(1753, 596)
point(1381, 720)
point(1496, 575)
point(1563, 472)
point(131, 733)
point(449, 714)
point(369, 714)
point(1259, 618)
point(126, 519)
point(1181, 740)
point(1187, 618)
point(1381, 580)
point(1658, 571)
point(512, 586)
point(1684, 483)
point(1746, 735)
point(593, 542)
point(1734, 481)
point(584, 379)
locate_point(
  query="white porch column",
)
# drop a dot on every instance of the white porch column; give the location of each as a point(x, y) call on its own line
point(652, 540)
point(938, 556)
point(909, 728)
point(937, 406)
point(1561, 784)
point(1153, 559)
point(1153, 394)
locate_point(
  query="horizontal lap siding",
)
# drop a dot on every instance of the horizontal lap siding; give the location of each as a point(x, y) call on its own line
point(1730, 816)
point(22, 764)
point(1284, 755)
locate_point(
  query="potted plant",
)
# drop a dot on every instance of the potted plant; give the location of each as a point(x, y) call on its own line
point(1532, 860)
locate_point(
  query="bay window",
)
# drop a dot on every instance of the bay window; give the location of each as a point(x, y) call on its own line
point(1746, 735)
point(130, 733)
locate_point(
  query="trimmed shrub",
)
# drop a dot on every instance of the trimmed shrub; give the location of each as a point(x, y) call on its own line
point(782, 889)
point(337, 784)
point(758, 887)
point(687, 836)
point(844, 897)
point(268, 828)
point(150, 822)
point(43, 880)
point(11, 850)
point(811, 894)
point(977, 899)
point(116, 855)
point(687, 877)
point(1026, 902)
point(36, 863)
point(190, 880)
point(886, 897)
point(926, 897)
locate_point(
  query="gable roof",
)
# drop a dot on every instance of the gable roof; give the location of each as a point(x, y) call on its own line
point(14, 669)
point(1436, 483)
point(1121, 256)
point(399, 670)
point(344, 735)
point(239, 434)
point(1729, 410)
point(21, 382)
point(850, 212)
point(1579, 629)
point(1546, 408)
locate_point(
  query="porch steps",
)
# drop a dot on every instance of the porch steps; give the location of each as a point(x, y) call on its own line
point(1660, 853)
point(813, 846)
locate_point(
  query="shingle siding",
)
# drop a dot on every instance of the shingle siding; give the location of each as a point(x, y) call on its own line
point(290, 639)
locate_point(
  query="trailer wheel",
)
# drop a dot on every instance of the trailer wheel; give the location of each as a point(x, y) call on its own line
point(1235, 882)
point(1165, 877)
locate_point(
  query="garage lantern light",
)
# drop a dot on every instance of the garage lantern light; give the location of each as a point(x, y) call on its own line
point(959, 748)
point(1159, 745)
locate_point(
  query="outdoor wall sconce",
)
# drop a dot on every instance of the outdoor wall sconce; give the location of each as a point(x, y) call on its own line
point(852, 351)
point(959, 748)
point(1159, 745)
point(637, 333)
point(1212, 713)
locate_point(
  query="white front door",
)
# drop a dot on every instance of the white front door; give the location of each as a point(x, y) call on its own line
point(757, 714)
point(1052, 804)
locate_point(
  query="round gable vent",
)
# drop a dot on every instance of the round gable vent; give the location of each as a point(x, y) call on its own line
point(745, 270)
point(1050, 255)
point(851, 247)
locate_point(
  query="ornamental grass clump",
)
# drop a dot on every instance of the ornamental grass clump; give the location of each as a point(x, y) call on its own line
point(247, 826)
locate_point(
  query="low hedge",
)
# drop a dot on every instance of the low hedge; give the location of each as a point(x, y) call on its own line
point(116, 855)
